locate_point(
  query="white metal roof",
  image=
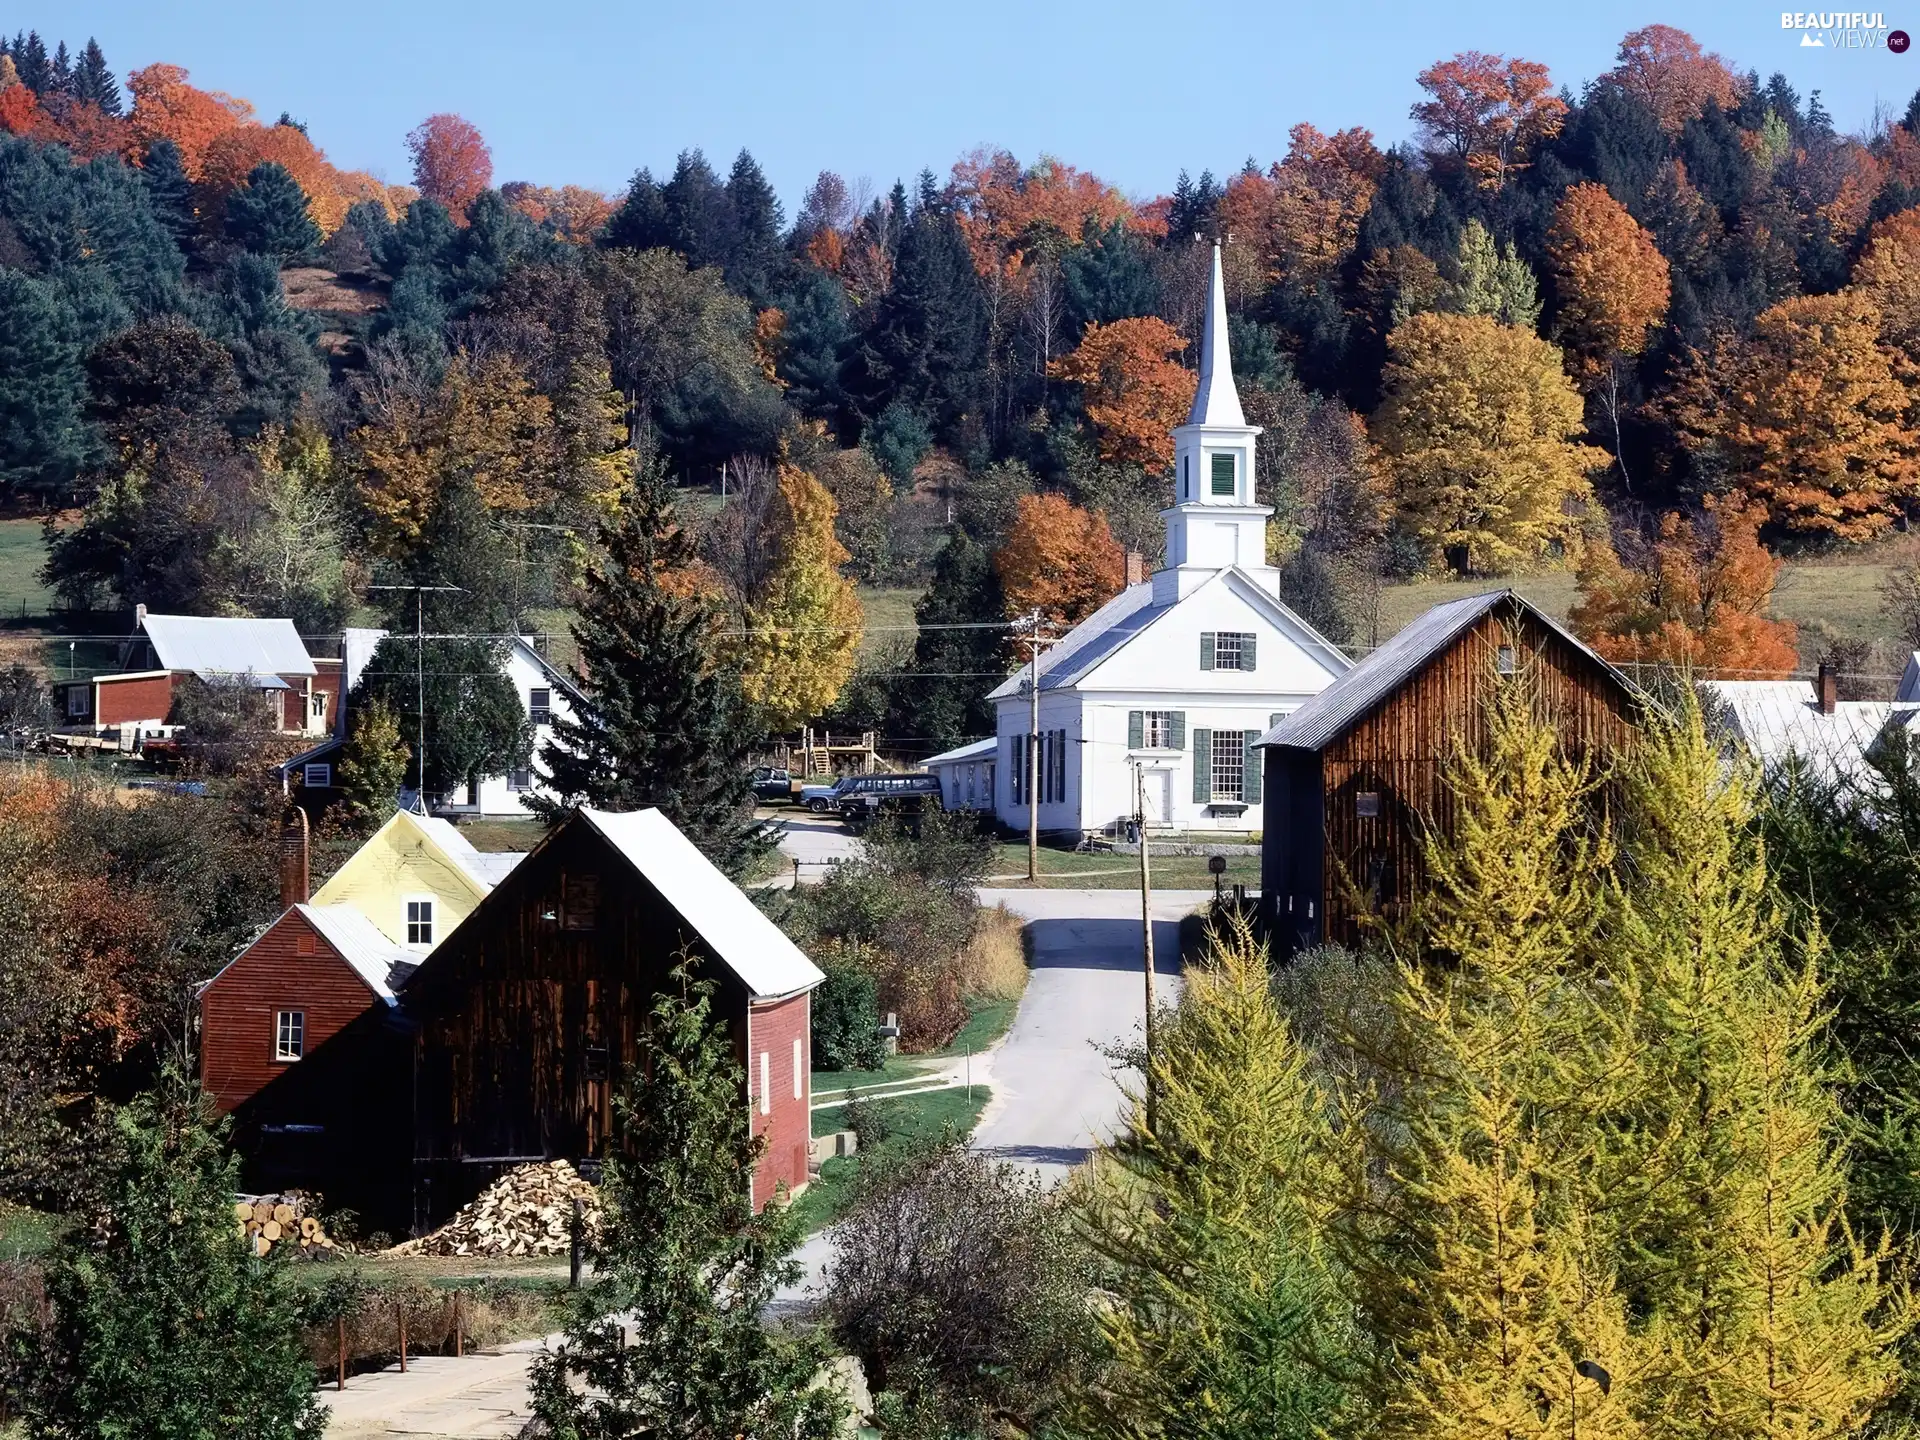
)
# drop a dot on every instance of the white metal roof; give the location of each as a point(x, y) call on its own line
point(486, 869)
point(737, 931)
point(221, 647)
point(1778, 718)
point(375, 958)
point(978, 750)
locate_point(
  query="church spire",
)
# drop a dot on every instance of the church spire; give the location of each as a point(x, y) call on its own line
point(1216, 402)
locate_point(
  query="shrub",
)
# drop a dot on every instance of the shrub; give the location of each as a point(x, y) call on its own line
point(846, 1017)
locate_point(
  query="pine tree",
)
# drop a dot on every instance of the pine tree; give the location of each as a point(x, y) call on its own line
point(668, 1340)
point(44, 436)
point(169, 191)
point(60, 71)
point(93, 82)
point(658, 723)
point(1492, 280)
point(757, 221)
point(1485, 1275)
point(1228, 1314)
point(696, 217)
point(1768, 1318)
point(803, 633)
point(165, 1323)
point(927, 343)
point(269, 214)
point(30, 59)
point(958, 650)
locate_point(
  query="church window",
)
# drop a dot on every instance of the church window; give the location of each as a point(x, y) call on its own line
point(1232, 650)
point(1230, 763)
point(1223, 475)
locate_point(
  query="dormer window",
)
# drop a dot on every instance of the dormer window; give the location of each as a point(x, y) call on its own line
point(1223, 476)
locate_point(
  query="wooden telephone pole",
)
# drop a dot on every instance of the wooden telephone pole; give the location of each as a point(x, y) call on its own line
point(1029, 624)
point(1146, 925)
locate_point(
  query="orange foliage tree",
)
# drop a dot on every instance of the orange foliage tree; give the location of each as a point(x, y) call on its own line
point(166, 107)
point(1488, 112)
point(1696, 596)
point(1324, 189)
point(1667, 71)
point(575, 212)
point(1888, 274)
point(1059, 559)
point(1004, 208)
point(1612, 278)
point(451, 163)
point(1135, 391)
point(1810, 416)
point(230, 158)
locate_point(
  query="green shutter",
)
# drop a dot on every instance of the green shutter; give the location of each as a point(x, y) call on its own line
point(1246, 651)
point(1179, 738)
point(1136, 729)
point(1223, 474)
point(1202, 766)
point(1250, 785)
point(1206, 651)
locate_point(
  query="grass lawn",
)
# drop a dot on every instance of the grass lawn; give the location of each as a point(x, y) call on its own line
point(520, 835)
point(24, 1232)
point(914, 1118)
point(888, 619)
point(22, 552)
point(1075, 870)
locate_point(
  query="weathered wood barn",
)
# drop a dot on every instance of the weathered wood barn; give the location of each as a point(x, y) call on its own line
point(1354, 776)
point(529, 1013)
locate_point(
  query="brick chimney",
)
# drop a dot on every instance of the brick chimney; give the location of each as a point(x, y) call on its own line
point(293, 856)
point(1136, 567)
point(1828, 686)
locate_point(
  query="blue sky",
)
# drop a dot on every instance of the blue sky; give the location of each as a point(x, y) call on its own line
point(586, 94)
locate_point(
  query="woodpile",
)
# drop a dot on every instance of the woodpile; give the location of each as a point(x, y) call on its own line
point(528, 1211)
point(280, 1220)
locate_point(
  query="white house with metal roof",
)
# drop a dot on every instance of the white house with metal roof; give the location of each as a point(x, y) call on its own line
point(1782, 720)
point(1177, 676)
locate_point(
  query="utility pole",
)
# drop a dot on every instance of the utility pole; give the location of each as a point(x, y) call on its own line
point(1030, 622)
point(1146, 925)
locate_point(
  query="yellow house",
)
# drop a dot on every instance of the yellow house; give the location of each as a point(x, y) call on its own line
point(415, 879)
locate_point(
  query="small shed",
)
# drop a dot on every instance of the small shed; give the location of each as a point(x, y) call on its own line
point(529, 1014)
point(966, 775)
point(1354, 777)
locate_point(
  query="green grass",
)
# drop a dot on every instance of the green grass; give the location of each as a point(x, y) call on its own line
point(897, 1071)
point(1075, 870)
point(25, 1233)
point(888, 619)
point(521, 835)
point(22, 552)
point(987, 1021)
point(917, 1118)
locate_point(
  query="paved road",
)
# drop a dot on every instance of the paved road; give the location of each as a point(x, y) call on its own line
point(816, 841)
point(1054, 1092)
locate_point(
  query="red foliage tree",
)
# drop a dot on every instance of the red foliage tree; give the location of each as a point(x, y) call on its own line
point(1488, 112)
point(1667, 71)
point(451, 163)
point(1059, 559)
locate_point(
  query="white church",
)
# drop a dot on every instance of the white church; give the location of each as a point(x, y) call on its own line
point(1176, 676)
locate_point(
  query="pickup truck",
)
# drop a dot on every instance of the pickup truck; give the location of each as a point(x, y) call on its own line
point(771, 783)
point(822, 799)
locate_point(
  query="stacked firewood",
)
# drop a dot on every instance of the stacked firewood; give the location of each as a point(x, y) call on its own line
point(528, 1211)
point(271, 1220)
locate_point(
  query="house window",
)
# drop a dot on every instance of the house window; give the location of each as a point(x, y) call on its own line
point(1504, 660)
point(1230, 763)
point(579, 902)
point(766, 1082)
point(797, 1072)
point(1366, 804)
point(1156, 730)
point(540, 706)
point(1223, 475)
point(289, 1034)
point(316, 777)
point(1233, 650)
point(520, 781)
point(79, 701)
point(420, 921)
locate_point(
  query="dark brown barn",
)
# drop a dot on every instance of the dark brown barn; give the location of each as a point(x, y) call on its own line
point(528, 1014)
point(1353, 777)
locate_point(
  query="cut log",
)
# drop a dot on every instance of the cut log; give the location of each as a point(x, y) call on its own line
point(261, 1245)
point(242, 1210)
point(262, 1211)
point(283, 1213)
point(270, 1231)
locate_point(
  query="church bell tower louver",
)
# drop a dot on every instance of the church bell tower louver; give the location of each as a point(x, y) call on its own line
point(1214, 523)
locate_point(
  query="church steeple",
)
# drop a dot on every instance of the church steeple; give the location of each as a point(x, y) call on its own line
point(1214, 523)
point(1216, 402)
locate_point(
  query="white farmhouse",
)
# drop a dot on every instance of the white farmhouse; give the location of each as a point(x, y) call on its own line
point(1179, 674)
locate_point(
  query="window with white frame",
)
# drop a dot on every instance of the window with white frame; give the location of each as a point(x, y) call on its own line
point(289, 1034)
point(1156, 730)
point(419, 909)
point(1232, 650)
point(1230, 763)
point(540, 706)
point(520, 781)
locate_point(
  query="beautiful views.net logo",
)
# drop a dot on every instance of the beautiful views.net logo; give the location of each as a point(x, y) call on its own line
point(1839, 29)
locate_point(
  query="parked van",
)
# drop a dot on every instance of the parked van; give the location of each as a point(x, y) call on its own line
point(867, 796)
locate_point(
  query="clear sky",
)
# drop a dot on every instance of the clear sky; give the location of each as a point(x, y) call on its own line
point(577, 93)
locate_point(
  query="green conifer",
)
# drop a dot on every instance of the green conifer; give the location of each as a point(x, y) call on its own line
point(269, 214)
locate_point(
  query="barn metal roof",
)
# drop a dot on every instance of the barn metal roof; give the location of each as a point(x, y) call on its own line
point(737, 931)
point(1777, 719)
point(1349, 699)
point(374, 958)
point(223, 647)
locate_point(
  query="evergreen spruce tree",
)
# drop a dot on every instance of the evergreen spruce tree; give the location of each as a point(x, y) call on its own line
point(1768, 1317)
point(60, 71)
point(1228, 1314)
point(93, 82)
point(165, 1323)
point(942, 695)
point(658, 722)
point(927, 344)
point(44, 435)
point(30, 60)
point(269, 214)
point(169, 191)
point(1483, 1271)
point(754, 265)
point(696, 216)
point(669, 1341)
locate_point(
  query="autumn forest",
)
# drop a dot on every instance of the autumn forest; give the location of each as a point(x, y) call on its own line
point(1659, 329)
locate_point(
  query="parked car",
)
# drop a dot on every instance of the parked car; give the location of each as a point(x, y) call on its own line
point(772, 783)
point(821, 799)
point(873, 795)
